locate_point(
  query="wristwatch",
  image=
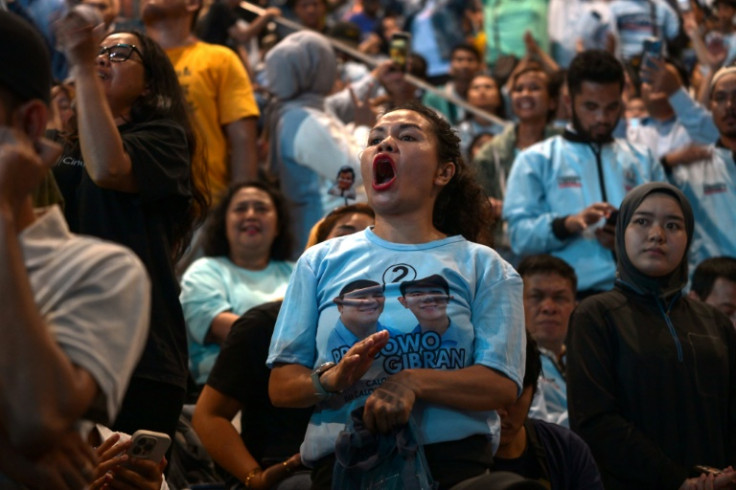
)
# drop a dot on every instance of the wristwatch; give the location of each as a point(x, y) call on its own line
point(320, 390)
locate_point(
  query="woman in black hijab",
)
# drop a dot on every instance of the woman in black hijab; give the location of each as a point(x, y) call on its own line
point(652, 374)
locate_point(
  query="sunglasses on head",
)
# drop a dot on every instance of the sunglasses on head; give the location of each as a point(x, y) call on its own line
point(117, 53)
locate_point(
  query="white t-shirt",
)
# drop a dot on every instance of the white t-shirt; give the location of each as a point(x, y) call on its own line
point(95, 299)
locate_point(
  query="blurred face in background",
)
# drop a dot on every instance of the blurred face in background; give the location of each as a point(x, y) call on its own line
point(311, 13)
point(484, 93)
point(251, 224)
point(723, 105)
point(530, 98)
point(635, 108)
point(107, 8)
point(464, 65)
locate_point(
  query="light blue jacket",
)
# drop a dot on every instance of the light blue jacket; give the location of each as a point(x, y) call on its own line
point(550, 400)
point(696, 119)
point(710, 186)
point(559, 177)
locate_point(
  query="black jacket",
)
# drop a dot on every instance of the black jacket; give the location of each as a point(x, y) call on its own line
point(652, 386)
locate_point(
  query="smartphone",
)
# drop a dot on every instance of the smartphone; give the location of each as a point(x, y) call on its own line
point(611, 220)
point(149, 445)
point(398, 49)
point(652, 50)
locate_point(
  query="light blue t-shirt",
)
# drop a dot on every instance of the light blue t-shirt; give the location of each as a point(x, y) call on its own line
point(552, 390)
point(213, 285)
point(342, 339)
point(447, 340)
point(635, 23)
point(661, 137)
point(486, 313)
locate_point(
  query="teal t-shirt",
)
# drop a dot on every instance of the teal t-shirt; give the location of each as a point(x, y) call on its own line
point(505, 23)
point(213, 285)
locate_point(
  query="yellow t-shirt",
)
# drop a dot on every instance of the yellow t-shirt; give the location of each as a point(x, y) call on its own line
point(218, 91)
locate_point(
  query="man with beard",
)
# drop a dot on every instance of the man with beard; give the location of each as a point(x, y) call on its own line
point(710, 183)
point(562, 193)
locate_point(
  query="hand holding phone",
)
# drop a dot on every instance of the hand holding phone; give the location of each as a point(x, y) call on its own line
point(398, 49)
point(611, 220)
point(652, 49)
point(146, 444)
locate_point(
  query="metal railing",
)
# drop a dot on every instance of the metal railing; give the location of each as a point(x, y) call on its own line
point(372, 62)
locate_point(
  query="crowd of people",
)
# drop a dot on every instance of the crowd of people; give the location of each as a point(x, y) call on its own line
point(508, 263)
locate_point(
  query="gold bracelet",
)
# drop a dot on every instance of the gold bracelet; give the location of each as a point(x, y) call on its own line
point(289, 471)
point(250, 475)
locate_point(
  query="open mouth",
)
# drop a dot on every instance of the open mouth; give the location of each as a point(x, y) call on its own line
point(384, 172)
point(102, 75)
point(525, 104)
point(250, 229)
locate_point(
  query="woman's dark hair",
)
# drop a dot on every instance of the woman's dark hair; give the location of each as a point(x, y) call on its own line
point(554, 83)
point(462, 207)
point(215, 235)
point(328, 223)
point(164, 99)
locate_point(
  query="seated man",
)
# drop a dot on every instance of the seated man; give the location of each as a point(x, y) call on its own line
point(549, 297)
point(714, 281)
point(538, 450)
point(75, 310)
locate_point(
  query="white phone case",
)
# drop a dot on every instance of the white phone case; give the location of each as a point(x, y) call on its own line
point(149, 445)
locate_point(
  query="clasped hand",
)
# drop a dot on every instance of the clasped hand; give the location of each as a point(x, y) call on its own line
point(390, 406)
point(387, 407)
